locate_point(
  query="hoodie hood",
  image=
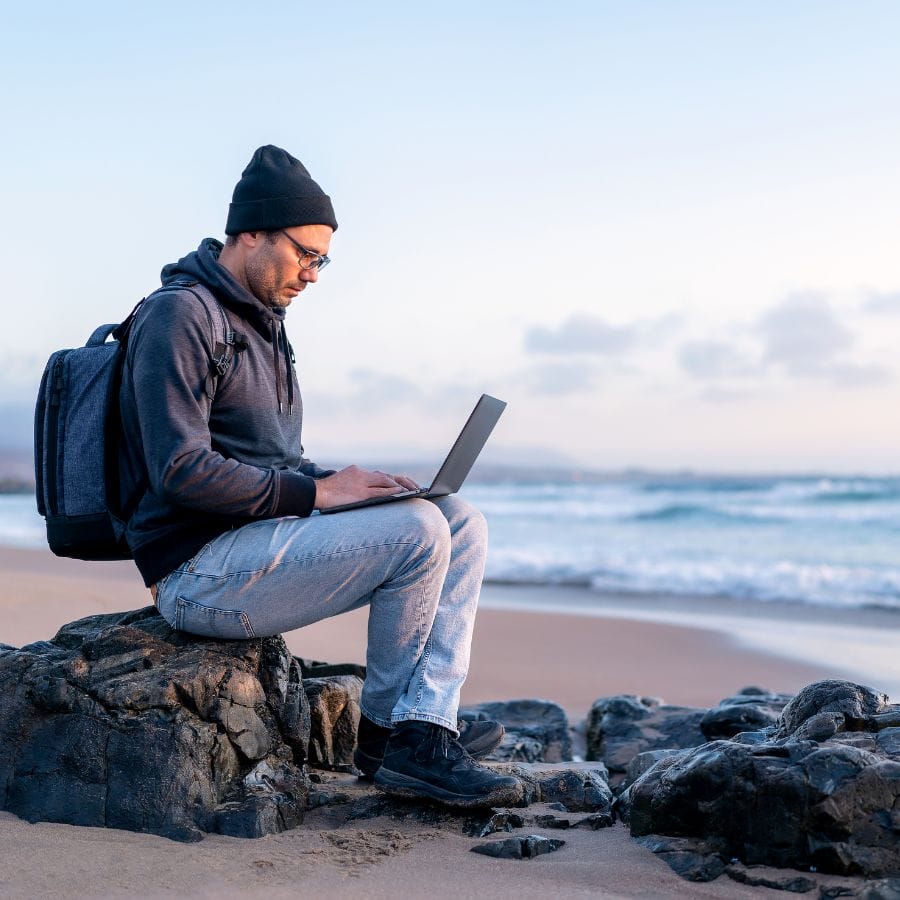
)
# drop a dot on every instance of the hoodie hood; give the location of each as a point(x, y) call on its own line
point(202, 265)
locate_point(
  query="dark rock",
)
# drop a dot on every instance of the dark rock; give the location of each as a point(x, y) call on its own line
point(621, 727)
point(548, 820)
point(761, 876)
point(887, 743)
point(537, 730)
point(854, 704)
point(340, 798)
point(334, 719)
point(120, 721)
point(519, 847)
point(749, 710)
point(752, 737)
point(480, 826)
point(787, 802)
point(313, 668)
point(595, 821)
point(644, 761)
point(516, 748)
point(692, 860)
point(577, 787)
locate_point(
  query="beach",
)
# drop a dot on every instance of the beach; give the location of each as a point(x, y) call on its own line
point(520, 650)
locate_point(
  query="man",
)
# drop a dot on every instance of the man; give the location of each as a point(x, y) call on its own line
point(224, 532)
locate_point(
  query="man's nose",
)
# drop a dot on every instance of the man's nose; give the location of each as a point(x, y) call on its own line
point(310, 274)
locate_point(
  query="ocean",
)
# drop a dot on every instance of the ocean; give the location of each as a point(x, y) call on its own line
point(822, 540)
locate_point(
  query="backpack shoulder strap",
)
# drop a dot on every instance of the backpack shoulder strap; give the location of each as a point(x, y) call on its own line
point(224, 349)
point(222, 355)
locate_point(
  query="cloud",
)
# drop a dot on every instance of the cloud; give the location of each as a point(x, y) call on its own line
point(803, 334)
point(559, 378)
point(887, 303)
point(584, 333)
point(371, 388)
point(581, 334)
point(853, 375)
point(661, 329)
point(707, 359)
point(371, 393)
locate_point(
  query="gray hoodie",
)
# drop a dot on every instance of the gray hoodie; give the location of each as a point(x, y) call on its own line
point(204, 452)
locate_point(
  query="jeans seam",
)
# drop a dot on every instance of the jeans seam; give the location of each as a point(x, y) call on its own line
point(413, 716)
point(426, 648)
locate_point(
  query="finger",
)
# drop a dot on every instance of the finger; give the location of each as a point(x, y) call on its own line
point(381, 479)
point(384, 490)
point(406, 481)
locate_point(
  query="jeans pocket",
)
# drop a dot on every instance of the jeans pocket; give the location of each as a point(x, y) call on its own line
point(207, 621)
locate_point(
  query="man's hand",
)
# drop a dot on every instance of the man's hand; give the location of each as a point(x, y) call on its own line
point(353, 483)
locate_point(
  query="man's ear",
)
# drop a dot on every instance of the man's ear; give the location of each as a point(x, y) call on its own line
point(250, 238)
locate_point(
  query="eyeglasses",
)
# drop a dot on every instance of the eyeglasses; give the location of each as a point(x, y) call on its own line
point(309, 259)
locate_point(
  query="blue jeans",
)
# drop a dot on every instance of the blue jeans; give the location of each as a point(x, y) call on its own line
point(418, 564)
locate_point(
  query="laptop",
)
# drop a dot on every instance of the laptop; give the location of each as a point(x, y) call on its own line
point(459, 460)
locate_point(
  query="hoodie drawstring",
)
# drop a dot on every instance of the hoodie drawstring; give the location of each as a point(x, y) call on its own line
point(275, 366)
point(280, 335)
point(289, 369)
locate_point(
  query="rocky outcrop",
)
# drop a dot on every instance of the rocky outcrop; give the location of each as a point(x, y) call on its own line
point(820, 788)
point(751, 709)
point(575, 787)
point(621, 727)
point(334, 719)
point(348, 799)
point(536, 730)
point(120, 721)
point(624, 731)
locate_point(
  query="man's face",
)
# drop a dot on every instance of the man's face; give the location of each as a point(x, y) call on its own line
point(272, 265)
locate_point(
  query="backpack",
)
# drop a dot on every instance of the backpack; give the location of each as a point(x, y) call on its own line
point(77, 433)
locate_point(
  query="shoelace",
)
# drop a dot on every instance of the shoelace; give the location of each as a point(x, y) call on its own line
point(439, 744)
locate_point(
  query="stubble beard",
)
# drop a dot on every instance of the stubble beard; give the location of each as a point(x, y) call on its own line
point(262, 280)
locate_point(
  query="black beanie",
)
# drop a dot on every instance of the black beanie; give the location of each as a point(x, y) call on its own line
point(275, 191)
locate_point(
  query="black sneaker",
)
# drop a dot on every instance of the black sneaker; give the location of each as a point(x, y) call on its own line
point(478, 739)
point(371, 739)
point(425, 761)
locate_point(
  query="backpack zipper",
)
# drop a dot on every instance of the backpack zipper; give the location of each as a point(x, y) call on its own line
point(52, 432)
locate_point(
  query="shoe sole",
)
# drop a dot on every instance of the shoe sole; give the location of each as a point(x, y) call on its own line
point(406, 786)
point(369, 765)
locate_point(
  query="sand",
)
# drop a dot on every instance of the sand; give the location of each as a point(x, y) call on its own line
point(563, 656)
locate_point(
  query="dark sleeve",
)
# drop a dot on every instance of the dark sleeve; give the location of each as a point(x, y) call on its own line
point(169, 354)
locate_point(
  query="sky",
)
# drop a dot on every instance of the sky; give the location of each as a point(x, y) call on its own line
point(665, 232)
